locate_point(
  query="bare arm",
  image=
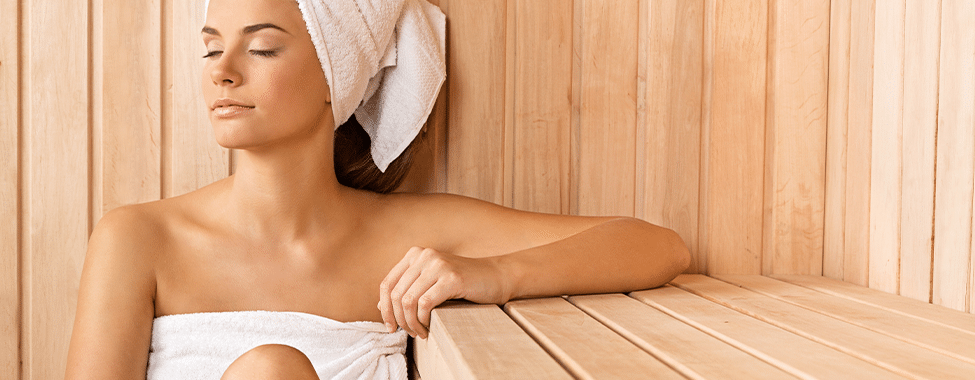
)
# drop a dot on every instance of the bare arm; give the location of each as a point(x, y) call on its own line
point(113, 324)
point(502, 254)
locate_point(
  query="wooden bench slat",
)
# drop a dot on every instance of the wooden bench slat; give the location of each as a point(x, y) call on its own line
point(798, 355)
point(584, 346)
point(882, 350)
point(946, 340)
point(692, 352)
point(471, 341)
point(899, 304)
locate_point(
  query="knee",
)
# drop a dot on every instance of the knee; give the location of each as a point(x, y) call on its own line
point(271, 361)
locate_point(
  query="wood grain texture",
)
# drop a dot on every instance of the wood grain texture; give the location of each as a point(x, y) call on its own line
point(795, 354)
point(887, 352)
point(10, 159)
point(128, 104)
point(858, 154)
point(196, 159)
point(468, 334)
point(585, 347)
point(955, 155)
point(893, 303)
point(696, 354)
point(476, 88)
point(922, 46)
point(734, 137)
point(604, 183)
point(57, 219)
point(834, 224)
point(942, 339)
point(669, 118)
point(542, 105)
point(886, 155)
point(795, 137)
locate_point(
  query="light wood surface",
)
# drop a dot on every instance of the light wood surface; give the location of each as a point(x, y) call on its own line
point(734, 135)
point(669, 118)
point(942, 339)
point(838, 112)
point(604, 164)
point(898, 304)
point(56, 120)
point(922, 43)
point(886, 156)
point(585, 347)
point(481, 342)
point(795, 137)
point(955, 155)
point(879, 349)
point(694, 353)
point(800, 356)
point(10, 156)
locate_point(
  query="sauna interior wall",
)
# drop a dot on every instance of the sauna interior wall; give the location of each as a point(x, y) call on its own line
point(830, 138)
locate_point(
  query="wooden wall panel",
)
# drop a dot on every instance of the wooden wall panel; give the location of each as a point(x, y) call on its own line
point(922, 45)
point(858, 153)
point(196, 159)
point(734, 136)
point(128, 104)
point(57, 133)
point(834, 224)
point(886, 156)
point(955, 155)
point(604, 150)
point(795, 137)
point(476, 70)
point(542, 105)
point(10, 156)
point(669, 118)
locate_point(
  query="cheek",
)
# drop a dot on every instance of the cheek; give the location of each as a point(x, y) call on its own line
point(295, 94)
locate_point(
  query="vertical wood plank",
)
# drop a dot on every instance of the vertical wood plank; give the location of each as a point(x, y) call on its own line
point(795, 137)
point(858, 154)
point(735, 137)
point(197, 160)
point(542, 106)
point(955, 155)
point(476, 88)
point(10, 159)
point(605, 181)
point(671, 73)
point(836, 139)
point(922, 46)
point(57, 128)
point(130, 104)
point(885, 172)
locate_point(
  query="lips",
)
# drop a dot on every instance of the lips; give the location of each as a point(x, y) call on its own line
point(227, 102)
point(226, 108)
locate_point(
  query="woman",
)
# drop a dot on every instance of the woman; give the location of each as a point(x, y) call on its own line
point(284, 236)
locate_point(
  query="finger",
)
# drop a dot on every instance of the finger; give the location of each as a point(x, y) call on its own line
point(387, 285)
point(434, 296)
point(405, 282)
point(412, 298)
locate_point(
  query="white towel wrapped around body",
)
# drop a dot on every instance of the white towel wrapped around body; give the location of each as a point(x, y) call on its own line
point(203, 345)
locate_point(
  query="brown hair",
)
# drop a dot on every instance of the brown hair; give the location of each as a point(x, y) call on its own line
point(354, 166)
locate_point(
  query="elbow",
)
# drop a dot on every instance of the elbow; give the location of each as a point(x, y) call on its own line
point(681, 255)
point(669, 256)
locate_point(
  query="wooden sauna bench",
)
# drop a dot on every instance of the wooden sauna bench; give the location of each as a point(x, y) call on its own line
point(699, 327)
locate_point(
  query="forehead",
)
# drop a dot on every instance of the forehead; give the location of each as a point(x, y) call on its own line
point(231, 15)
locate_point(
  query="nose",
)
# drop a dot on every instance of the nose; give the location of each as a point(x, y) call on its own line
point(224, 73)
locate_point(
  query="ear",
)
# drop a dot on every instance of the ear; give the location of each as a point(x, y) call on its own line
point(328, 93)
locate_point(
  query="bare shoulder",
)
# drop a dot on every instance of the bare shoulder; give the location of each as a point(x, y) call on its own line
point(477, 228)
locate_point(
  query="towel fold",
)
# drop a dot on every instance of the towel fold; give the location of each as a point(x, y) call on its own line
point(385, 62)
point(203, 345)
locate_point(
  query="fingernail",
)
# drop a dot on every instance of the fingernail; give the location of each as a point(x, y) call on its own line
point(389, 327)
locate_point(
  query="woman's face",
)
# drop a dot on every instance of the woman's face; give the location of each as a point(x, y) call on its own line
point(262, 81)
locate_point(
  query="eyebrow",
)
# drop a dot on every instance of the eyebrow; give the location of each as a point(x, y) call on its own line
point(247, 30)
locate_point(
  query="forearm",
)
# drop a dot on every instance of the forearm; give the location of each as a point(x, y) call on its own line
point(619, 255)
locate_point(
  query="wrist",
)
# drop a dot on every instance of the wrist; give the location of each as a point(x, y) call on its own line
point(510, 277)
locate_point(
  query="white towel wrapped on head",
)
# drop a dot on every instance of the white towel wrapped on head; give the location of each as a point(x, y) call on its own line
point(384, 61)
point(202, 346)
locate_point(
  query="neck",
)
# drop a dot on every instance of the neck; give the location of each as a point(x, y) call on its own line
point(288, 193)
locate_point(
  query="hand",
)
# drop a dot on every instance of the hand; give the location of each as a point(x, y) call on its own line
point(426, 278)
